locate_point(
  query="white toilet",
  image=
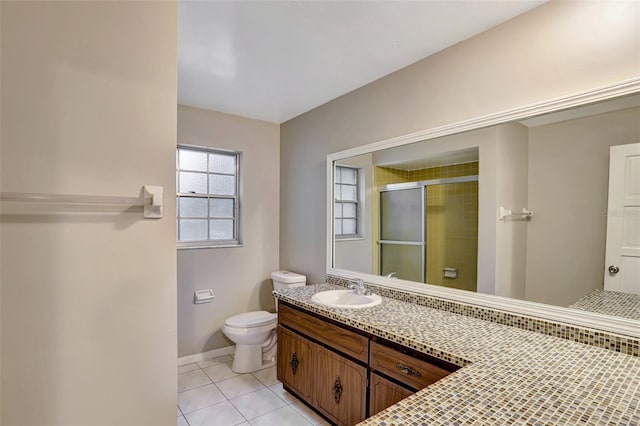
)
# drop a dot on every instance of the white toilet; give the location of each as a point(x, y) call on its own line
point(254, 333)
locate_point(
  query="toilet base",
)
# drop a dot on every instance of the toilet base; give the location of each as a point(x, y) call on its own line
point(248, 358)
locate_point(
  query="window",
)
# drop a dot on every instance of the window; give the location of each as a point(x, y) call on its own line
point(208, 202)
point(347, 195)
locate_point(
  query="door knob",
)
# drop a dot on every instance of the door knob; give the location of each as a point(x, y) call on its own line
point(613, 269)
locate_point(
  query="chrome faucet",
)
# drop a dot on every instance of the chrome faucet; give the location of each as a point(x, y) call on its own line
point(391, 275)
point(359, 288)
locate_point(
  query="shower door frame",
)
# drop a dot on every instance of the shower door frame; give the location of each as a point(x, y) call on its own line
point(423, 231)
point(423, 184)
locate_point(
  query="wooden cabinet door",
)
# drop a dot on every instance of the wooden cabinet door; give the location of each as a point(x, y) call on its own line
point(340, 388)
point(295, 363)
point(384, 393)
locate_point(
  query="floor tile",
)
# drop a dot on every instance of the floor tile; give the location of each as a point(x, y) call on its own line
point(266, 376)
point(307, 413)
point(285, 416)
point(283, 394)
point(237, 386)
point(188, 367)
point(220, 371)
point(213, 361)
point(182, 421)
point(195, 399)
point(222, 414)
point(255, 404)
point(192, 379)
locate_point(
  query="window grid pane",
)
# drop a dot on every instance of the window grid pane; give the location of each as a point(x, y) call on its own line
point(221, 208)
point(222, 184)
point(193, 229)
point(221, 229)
point(192, 182)
point(211, 213)
point(348, 226)
point(349, 210)
point(193, 207)
point(348, 176)
point(222, 163)
point(192, 160)
point(349, 193)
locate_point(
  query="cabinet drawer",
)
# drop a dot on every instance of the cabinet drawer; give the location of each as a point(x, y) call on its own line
point(414, 372)
point(338, 338)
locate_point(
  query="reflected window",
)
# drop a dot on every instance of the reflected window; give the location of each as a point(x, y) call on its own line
point(207, 202)
point(347, 202)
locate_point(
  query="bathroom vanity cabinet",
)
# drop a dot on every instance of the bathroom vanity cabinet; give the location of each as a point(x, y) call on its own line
point(323, 364)
point(346, 374)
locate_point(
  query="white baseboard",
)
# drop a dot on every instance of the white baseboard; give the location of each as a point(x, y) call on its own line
point(206, 355)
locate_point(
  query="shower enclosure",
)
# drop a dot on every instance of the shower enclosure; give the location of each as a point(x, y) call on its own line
point(429, 231)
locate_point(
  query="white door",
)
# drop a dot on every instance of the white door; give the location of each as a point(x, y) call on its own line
point(622, 260)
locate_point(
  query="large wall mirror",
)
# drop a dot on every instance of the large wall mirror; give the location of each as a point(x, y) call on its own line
point(542, 209)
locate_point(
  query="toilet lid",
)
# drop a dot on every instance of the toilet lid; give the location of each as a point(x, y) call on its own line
point(251, 319)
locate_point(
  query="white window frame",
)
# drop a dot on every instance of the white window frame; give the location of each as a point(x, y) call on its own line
point(357, 203)
point(237, 228)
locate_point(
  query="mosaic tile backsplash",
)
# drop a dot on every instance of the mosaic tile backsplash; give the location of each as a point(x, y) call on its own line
point(510, 376)
point(600, 339)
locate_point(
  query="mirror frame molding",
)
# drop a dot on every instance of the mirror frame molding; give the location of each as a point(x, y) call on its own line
point(612, 324)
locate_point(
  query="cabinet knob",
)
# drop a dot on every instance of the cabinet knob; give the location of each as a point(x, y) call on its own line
point(337, 390)
point(613, 269)
point(294, 363)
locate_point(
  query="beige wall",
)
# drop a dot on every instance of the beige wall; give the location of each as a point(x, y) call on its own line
point(88, 296)
point(239, 276)
point(557, 49)
point(511, 234)
point(568, 187)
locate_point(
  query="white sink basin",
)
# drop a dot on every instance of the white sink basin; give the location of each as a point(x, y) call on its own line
point(346, 299)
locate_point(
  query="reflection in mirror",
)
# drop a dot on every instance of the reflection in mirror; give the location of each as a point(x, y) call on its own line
point(429, 212)
point(428, 219)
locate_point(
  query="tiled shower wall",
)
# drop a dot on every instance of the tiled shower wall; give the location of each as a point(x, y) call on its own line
point(452, 221)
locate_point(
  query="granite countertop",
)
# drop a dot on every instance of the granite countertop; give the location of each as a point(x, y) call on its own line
point(510, 376)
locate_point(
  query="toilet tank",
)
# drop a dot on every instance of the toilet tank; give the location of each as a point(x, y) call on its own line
point(286, 279)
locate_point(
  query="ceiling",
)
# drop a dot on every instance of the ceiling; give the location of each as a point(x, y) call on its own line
point(274, 60)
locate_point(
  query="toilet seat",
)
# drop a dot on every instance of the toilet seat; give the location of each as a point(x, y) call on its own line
point(251, 319)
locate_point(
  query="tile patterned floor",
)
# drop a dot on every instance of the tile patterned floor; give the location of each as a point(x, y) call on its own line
point(210, 394)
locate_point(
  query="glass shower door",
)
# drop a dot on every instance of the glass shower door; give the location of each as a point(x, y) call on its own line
point(402, 233)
